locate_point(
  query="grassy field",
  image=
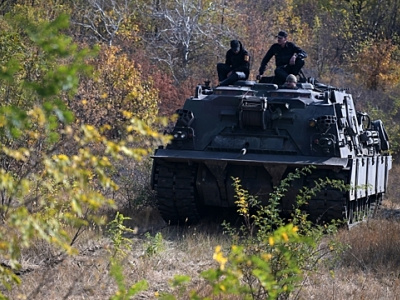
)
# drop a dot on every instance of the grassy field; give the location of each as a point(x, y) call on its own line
point(365, 265)
point(368, 267)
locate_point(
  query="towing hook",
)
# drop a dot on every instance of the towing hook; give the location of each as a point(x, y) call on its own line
point(244, 149)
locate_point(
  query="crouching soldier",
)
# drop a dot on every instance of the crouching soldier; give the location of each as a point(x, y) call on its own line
point(236, 66)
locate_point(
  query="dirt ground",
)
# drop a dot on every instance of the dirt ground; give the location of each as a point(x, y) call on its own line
point(365, 273)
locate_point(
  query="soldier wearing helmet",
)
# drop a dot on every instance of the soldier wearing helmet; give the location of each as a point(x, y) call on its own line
point(291, 82)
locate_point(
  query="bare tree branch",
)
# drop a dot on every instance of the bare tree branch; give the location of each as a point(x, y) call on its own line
point(104, 18)
point(181, 30)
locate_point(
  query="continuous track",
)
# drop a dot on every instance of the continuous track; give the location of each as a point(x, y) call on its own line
point(333, 204)
point(175, 186)
point(178, 203)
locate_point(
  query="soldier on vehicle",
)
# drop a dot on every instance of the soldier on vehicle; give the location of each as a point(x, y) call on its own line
point(288, 58)
point(236, 66)
point(291, 82)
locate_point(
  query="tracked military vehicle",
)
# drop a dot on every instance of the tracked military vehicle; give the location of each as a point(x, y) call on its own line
point(259, 133)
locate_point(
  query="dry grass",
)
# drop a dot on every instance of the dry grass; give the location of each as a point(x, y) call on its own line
point(394, 192)
point(367, 269)
point(349, 283)
point(47, 274)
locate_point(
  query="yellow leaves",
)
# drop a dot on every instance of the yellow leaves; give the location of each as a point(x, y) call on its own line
point(243, 199)
point(220, 258)
point(285, 237)
point(243, 207)
point(105, 127)
point(76, 207)
point(112, 148)
point(90, 135)
point(130, 128)
point(142, 128)
point(222, 287)
point(376, 64)
point(37, 114)
point(88, 128)
point(121, 87)
point(3, 245)
point(65, 182)
point(266, 256)
point(127, 114)
point(271, 241)
point(21, 154)
point(3, 121)
point(105, 162)
point(62, 157)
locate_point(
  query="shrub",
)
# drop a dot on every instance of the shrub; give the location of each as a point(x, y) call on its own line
point(269, 255)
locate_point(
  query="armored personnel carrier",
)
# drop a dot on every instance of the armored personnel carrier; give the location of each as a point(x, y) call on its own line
point(259, 133)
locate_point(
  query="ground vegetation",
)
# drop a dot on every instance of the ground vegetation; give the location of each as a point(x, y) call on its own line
point(82, 87)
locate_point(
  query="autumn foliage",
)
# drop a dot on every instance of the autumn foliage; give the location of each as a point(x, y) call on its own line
point(376, 66)
point(82, 82)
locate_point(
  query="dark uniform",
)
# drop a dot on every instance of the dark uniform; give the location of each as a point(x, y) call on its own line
point(237, 62)
point(282, 58)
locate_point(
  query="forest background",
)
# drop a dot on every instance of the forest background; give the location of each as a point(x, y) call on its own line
point(82, 81)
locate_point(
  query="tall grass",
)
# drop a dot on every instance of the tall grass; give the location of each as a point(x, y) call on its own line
point(368, 268)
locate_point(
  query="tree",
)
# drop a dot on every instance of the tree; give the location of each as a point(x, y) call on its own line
point(103, 19)
point(179, 33)
point(117, 87)
point(53, 175)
